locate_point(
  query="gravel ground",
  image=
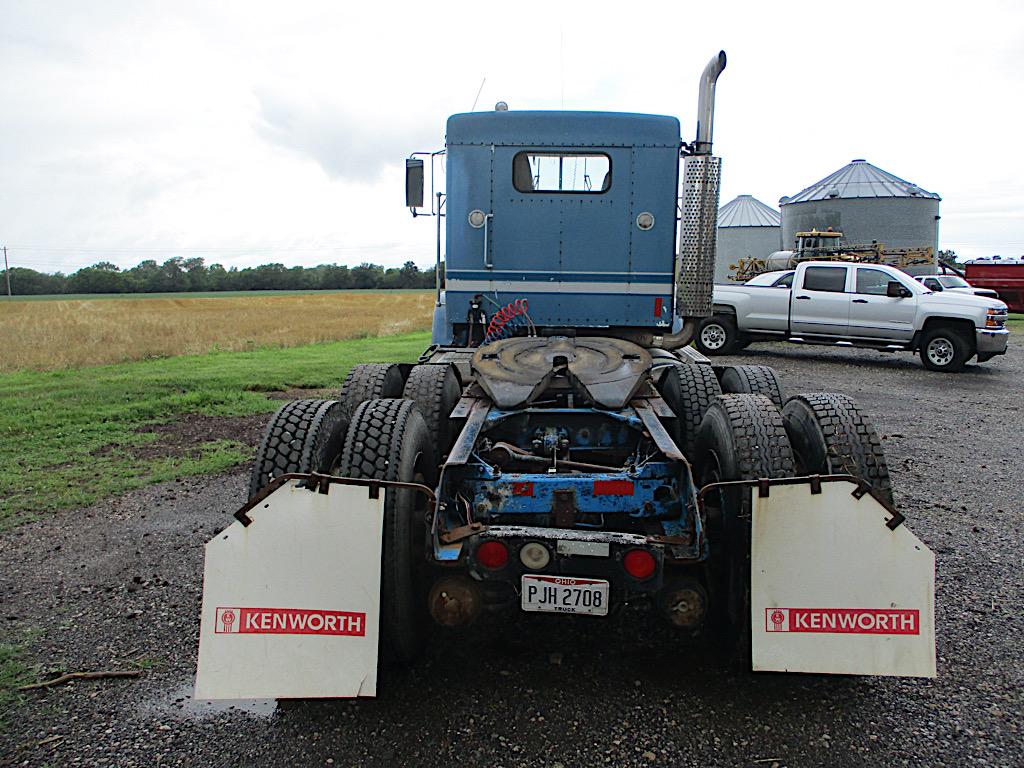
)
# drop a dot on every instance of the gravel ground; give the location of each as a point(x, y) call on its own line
point(121, 581)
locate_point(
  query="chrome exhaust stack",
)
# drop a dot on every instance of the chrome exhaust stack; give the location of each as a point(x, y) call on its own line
point(706, 104)
point(695, 262)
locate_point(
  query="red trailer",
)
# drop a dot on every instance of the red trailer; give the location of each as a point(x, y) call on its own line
point(1006, 277)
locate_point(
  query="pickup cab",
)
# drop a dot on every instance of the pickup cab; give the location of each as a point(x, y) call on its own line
point(856, 305)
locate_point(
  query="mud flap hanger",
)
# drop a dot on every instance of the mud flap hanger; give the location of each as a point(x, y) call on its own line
point(315, 481)
point(764, 485)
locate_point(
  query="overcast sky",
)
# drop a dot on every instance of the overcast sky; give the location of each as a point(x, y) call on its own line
point(248, 132)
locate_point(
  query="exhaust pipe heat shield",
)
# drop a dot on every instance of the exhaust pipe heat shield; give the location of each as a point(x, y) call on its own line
point(697, 232)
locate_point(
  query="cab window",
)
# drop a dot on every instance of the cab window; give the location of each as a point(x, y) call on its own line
point(830, 279)
point(932, 284)
point(873, 282)
point(557, 172)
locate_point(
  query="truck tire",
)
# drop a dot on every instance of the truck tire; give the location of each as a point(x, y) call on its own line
point(436, 390)
point(945, 349)
point(752, 380)
point(689, 391)
point(742, 437)
point(831, 435)
point(303, 436)
point(717, 335)
point(370, 381)
point(388, 440)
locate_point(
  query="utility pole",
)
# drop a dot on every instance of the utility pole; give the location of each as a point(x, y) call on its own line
point(7, 272)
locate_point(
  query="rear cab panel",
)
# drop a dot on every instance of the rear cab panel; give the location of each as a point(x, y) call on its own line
point(569, 244)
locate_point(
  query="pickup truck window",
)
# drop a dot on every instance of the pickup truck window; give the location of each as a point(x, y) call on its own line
point(786, 281)
point(932, 284)
point(831, 279)
point(874, 282)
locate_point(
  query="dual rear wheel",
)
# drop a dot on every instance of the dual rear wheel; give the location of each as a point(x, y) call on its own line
point(748, 436)
point(386, 438)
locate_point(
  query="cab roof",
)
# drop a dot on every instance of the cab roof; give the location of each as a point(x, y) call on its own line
point(563, 129)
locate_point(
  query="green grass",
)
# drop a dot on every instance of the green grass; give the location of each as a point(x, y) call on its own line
point(1015, 322)
point(55, 425)
point(14, 672)
point(198, 294)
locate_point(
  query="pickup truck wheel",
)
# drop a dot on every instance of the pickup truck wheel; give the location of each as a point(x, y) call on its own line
point(388, 440)
point(831, 435)
point(717, 335)
point(369, 381)
point(742, 437)
point(945, 349)
point(303, 436)
point(435, 389)
point(688, 390)
point(752, 380)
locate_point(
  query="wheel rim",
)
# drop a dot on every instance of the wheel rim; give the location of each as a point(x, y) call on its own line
point(712, 336)
point(940, 351)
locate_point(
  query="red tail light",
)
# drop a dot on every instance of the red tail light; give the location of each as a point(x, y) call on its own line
point(640, 564)
point(492, 555)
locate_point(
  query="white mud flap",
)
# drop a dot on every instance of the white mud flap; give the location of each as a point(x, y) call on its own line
point(291, 601)
point(835, 590)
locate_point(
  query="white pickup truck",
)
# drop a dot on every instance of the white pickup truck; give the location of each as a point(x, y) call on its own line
point(857, 305)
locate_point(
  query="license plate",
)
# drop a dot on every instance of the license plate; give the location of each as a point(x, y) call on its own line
point(565, 594)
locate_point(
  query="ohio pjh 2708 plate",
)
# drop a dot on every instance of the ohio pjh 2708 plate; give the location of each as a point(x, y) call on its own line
point(564, 594)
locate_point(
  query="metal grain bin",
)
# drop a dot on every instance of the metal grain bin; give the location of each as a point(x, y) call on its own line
point(747, 228)
point(866, 204)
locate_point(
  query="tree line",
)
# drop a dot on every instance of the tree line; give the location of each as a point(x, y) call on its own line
point(183, 275)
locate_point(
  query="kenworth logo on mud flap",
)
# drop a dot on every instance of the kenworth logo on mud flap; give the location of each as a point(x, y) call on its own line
point(289, 621)
point(864, 621)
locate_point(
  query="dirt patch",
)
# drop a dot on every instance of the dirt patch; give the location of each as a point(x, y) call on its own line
point(184, 436)
point(304, 394)
point(192, 430)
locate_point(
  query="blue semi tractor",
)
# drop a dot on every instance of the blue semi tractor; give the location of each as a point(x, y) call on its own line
point(561, 449)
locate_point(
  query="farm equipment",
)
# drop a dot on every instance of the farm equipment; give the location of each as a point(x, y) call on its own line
point(828, 245)
point(560, 449)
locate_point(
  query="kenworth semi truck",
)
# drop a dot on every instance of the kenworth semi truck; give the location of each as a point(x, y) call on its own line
point(560, 448)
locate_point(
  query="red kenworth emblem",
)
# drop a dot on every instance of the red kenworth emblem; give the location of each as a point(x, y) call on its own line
point(289, 621)
point(859, 621)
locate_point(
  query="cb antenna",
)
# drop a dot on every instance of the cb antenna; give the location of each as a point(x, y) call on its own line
point(478, 92)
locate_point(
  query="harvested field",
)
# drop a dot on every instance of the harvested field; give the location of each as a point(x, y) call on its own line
point(48, 335)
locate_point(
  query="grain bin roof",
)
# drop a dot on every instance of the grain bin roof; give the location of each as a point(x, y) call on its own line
point(859, 179)
point(746, 211)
